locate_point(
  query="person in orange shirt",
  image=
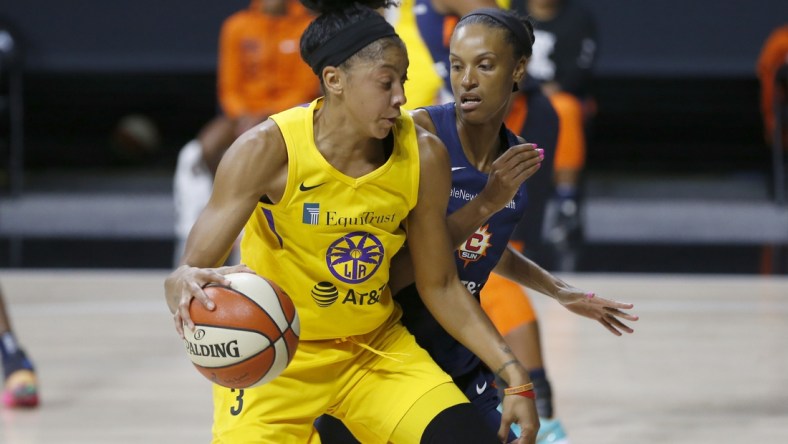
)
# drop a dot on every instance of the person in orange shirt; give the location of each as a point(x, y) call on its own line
point(774, 55)
point(260, 66)
point(260, 72)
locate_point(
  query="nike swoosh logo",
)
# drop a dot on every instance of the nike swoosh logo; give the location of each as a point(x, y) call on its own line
point(303, 187)
point(480, 390)
point(456, 168)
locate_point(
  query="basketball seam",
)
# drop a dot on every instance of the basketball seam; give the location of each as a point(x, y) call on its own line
point(236, 362)
point(224, 327)
point(287, 348)
point(278, 302)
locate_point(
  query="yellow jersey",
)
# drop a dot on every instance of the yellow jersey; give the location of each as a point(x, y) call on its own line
point(329, 241)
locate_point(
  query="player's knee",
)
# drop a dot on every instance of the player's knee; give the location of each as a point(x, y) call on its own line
point(459, 424)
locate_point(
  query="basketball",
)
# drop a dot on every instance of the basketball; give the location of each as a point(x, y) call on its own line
point(250, 336)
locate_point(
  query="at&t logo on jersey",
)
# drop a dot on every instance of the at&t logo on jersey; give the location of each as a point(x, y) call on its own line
point(326, 294)
point(475, 247)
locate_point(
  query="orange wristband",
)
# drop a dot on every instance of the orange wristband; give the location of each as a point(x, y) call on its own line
point(527, 394)
point(520, 390)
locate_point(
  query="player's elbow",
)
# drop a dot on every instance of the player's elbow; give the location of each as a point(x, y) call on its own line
point(435, 289)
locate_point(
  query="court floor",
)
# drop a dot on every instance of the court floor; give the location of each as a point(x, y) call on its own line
point(708, 362)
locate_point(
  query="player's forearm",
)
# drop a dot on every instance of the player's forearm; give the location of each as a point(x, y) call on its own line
point(464, 222)
point(206, 250)
point(518, 268)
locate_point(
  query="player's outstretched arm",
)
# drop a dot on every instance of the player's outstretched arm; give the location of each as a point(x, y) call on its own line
point(445, 296)
point(518, 268)
point(254, 166)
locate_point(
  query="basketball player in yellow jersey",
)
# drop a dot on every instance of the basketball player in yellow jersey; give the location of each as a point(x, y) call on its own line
point(324, 192)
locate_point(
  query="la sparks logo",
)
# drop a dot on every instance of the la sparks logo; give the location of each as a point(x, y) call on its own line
point(475, 247)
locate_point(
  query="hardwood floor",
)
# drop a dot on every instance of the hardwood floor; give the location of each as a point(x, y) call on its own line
point(707, 363)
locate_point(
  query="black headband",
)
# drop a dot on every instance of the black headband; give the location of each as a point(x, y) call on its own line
point(348, 41)
point(511, 23)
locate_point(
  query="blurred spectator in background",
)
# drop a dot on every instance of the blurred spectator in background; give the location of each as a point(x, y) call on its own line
point(533, 117)
point(564, 54)
point(20, 388)
point(773, 57)
point(135, 138)
point(260, 72)
point(11, 59)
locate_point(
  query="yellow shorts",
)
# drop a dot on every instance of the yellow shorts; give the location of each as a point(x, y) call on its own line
point(370, 393)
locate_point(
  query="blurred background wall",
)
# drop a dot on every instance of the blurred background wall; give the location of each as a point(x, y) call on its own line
point(89, 62)
point(675, 86)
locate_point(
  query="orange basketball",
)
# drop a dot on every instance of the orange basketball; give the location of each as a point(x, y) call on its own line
point(250, 336)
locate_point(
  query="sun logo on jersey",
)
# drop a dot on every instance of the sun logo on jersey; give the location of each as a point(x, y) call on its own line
point(355, 257)
point(475, 247)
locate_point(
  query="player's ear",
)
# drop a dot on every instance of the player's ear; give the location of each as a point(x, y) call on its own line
point(332, 80)
point(519, 70)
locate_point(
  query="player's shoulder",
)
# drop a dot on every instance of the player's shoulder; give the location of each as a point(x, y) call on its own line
point(421, 117)
point(263, 141)
point(432, 151)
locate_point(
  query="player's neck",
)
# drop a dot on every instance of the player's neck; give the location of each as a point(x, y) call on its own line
point(480, 143)
point(345, 147)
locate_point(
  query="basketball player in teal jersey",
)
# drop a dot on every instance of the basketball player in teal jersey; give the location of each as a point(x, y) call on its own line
point(325, 193)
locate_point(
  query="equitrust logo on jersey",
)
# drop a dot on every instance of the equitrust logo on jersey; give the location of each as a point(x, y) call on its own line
point(311, 215)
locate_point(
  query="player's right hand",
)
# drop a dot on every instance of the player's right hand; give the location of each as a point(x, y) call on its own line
point(521, 410)
point(518, 408)
point(509, 171)
point(187, 283)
